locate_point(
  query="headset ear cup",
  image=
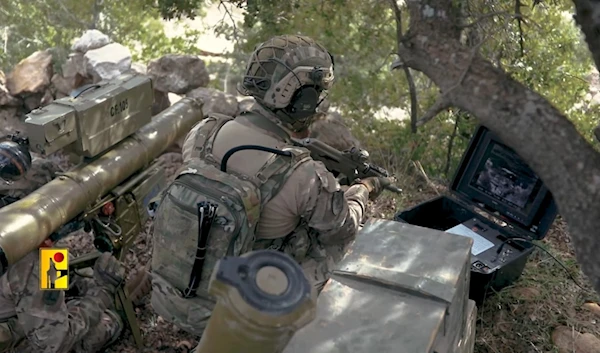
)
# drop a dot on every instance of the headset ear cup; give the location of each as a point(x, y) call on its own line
point(304, 103)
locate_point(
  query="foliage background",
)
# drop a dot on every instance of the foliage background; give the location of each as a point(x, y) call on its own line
point(362, 37)
point(361, 34)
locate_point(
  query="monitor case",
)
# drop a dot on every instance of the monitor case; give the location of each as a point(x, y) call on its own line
point(490, 271)
point(399, 289)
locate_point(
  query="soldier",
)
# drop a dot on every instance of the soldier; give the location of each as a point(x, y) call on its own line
point(303, 213)
point(21, 172)
point(34, 320)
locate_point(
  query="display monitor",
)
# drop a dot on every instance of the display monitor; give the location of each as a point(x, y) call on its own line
point(502, 175)
point(497, 177)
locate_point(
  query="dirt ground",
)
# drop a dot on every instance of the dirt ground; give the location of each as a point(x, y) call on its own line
point(522, 317)
point(519, 319)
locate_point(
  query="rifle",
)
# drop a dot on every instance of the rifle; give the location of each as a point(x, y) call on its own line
point(108, 127)
point(348, 165)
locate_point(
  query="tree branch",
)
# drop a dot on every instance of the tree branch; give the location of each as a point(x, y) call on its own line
point(586, 17)
point(414, 104)
point(442, 103)
point(472, 54)
point(228, 13)
point(524, 120)
point(208, 53)
point(519, 18)
point(485, 17)
point(451, 144)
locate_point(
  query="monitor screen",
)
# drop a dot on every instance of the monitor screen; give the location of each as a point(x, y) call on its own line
point(504, 177)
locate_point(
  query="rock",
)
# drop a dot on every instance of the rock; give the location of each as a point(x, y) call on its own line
point(33, 101)
point(593, 307)
point(161, 102)
point(174, 98)
point(31, 75)
point(5, 98)
point(138, 68)
point(74, 72)
point(330, 128)
point(10, 122)
point(245, 103)
point(526, 293)
point(324, 106)
point(90, 40)
point(567, 341)
point(75, 65)
point(61, 85)
point(187, 344)
point(231, 85)
point(178, 74)
point(215, 101)
point(107, 62)
point(47, 98)
point(597, 132)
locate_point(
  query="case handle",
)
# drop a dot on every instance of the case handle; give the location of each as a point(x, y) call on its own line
point(79, 91)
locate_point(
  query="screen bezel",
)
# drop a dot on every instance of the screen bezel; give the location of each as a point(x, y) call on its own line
point(472, 159)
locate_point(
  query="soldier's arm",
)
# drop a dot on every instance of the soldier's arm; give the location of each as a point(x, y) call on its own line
point(335, 213)
point(50, 324)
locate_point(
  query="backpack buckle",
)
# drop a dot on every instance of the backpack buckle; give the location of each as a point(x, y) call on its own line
point(262, 177)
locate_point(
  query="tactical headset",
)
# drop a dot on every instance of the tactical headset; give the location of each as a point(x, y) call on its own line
point(306, 97)
point(297, 94)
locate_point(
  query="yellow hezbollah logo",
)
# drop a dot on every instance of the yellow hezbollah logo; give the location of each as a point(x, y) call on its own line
point(54, 269)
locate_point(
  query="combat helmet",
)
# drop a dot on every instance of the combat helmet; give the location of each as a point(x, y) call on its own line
point(289, 75)
point(15, 160)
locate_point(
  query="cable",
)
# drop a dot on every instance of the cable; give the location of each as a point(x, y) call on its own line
point(547, 252)
point(229, 153)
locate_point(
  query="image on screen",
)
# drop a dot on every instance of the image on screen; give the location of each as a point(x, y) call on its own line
point(503, 176)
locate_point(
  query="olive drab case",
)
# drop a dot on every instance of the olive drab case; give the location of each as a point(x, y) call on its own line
point(93, 118)
point(494, 197)
point(400, 289)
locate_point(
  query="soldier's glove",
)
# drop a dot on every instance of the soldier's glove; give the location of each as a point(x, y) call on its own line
point(109, 272)
point(375, 185)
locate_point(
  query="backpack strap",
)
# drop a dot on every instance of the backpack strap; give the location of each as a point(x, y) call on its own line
point(205, 136)
point(268, 126)
point(271, 177)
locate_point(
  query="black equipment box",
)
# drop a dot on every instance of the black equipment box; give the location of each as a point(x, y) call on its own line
point(499, 202)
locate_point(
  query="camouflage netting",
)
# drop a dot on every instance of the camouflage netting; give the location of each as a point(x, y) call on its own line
point(273, 60)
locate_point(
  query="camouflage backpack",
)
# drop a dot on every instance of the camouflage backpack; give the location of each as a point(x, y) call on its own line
point(227, 204)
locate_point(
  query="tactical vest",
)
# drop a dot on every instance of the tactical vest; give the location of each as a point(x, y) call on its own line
point(231, 201)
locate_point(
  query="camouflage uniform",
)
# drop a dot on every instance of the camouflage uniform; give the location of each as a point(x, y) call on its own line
point(32, 320)
point(301, 208)
point(310, 218)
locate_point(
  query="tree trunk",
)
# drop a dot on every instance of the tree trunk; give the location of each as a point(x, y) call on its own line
point(586, 16)
point(523, 119)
